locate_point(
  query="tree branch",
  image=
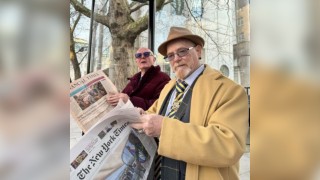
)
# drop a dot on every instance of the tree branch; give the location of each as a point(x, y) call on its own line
point(138, 7)
point(138, 26)
point(82, 58)
point(75, 23)
point(132, 4)
point(218, 48)
point(160, 4)
point(141, 24)
point(87, 12)
point(170, 1)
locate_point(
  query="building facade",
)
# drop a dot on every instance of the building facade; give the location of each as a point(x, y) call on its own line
point(242, 47)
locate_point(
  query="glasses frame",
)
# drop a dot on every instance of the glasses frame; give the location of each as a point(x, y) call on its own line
point(179, 53)
point(145, 54)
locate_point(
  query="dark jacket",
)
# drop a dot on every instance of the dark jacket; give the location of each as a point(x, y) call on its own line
point(142, 94)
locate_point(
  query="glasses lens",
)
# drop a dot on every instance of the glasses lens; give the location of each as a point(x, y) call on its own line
point(138, 55)
point(170, 57)
point(182, 52)
point(146, 54)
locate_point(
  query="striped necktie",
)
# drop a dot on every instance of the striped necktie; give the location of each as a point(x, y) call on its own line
point(180, 88)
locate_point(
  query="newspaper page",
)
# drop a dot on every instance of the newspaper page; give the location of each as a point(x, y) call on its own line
point(113, 150)
point(88, 99)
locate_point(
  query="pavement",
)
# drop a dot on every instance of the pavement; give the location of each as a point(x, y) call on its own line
point(245, 165)
point(75, 133)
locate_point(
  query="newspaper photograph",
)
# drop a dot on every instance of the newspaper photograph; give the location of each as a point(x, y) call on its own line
point(88, 99)
point(112, 149)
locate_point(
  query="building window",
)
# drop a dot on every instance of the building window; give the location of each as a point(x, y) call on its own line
point(240, 21)
point(178, 6)
point(224, 70)
point(240, 37)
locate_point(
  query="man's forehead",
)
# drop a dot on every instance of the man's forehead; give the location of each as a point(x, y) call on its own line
point(143, 50)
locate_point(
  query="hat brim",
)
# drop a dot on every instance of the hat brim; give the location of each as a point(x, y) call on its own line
point(162, 49)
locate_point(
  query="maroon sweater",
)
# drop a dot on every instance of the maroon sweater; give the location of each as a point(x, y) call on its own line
point(144, 92)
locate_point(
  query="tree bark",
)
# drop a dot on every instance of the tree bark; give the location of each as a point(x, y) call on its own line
point(73, 58)
point(93, 47)
point(124, 30)
point(118, 70)
point(101, 37)
point(100, 47)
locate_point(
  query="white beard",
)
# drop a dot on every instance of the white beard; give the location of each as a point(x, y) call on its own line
point(183, 73)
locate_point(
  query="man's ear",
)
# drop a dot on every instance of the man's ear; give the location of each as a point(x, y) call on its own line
point(199, 50)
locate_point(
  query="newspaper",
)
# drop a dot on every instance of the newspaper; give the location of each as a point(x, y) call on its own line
point(112, 150)
point(88, 99)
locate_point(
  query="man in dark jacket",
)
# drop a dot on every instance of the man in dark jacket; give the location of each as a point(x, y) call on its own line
point(145, 86)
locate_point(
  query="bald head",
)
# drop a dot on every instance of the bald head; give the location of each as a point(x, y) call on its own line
point(144, 59)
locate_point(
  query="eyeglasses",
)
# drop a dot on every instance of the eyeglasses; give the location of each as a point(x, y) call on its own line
point(181, 52)
point(145, 54)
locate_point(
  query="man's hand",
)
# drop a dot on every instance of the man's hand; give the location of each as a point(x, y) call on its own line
point(141, 111)
point(150, 124)
point(113, 99)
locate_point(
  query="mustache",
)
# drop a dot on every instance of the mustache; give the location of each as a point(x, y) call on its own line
point(177, 65)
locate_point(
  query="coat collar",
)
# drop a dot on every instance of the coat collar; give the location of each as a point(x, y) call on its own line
point(208, 72)
point(152, 70)
point(201, 84)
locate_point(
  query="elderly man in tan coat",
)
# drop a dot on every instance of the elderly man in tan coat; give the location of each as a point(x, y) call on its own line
point(200, 118)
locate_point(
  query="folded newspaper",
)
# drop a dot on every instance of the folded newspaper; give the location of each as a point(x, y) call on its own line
point(110, 149)
point(88, 99)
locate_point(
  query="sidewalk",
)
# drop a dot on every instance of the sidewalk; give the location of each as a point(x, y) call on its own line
point(75, 132)
point(245, 165)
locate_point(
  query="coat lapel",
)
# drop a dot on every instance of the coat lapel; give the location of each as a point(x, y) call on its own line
point(203, 93)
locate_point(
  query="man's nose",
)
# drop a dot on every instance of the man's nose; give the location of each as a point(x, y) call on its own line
point(176, 58)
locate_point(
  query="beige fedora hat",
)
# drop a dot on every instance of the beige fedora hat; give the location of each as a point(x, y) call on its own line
point(179, 33)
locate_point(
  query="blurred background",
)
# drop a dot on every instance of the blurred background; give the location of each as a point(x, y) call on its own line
point(34, 81)
point(285, 91)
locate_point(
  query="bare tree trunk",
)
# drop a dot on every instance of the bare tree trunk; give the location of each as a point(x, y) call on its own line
point(179, 6)
point(132, 68)
point(73, 58)
point(182, 6)
point(100, 47)
point(101, 36)
point(120, 62)
point(93, 46)
point(124, 30)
